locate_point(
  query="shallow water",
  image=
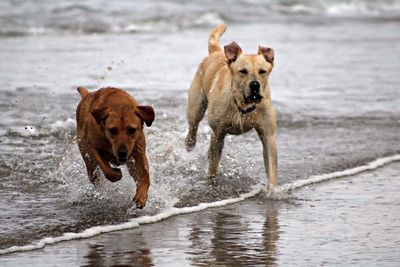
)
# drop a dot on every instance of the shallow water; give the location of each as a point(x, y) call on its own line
point(345, 222)
point(334, 86)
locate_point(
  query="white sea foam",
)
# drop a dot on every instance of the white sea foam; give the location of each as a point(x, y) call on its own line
point(362, 8)
point(276, 193)
point(133, 223)
point(69, 123)
point(282, 191)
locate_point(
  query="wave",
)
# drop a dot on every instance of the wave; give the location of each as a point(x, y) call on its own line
point(337, 8)
point(280, 192)
point(96, 24)
point(59, 129)
point(52, 17)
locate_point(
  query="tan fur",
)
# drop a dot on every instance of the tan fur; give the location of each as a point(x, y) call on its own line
point(213, 41)
point(220, 87)
point(110, 130)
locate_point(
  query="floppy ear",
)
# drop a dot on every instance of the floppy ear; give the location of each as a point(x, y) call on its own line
point(146, 113)
point(232, 51)
point(100, 114)
point(267, 52)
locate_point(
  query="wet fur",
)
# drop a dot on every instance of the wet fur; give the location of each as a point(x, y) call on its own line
point(220, 88)
point(96, 114)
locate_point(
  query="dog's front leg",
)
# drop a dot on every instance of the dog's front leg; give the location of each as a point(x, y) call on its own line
point(89, 161)
point(90, 167)
point(267, 137)
point(138, 167)
point(112, 174)
point(215, 152)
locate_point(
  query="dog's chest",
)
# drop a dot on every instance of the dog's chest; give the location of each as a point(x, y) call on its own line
point(239, 124)
point(232, 123)
point(227, 118)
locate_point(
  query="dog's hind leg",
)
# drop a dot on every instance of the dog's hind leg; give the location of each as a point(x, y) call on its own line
point(197, 106)
point(215, 152)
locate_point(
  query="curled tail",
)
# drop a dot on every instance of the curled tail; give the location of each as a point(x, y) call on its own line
point(83, 91)
point(213, 40)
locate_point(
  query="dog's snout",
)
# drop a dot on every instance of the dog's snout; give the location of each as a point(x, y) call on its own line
point(122, 154)
point(254, 86)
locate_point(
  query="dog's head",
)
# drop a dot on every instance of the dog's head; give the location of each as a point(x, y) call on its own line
point(123, 126)
point(250, 72)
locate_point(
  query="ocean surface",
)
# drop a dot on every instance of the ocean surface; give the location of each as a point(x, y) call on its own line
point(335, 87)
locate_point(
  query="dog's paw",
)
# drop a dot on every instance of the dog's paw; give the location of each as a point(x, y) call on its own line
point(114, 176)
point(213, 172)
point(140, 198)
point(190, 143)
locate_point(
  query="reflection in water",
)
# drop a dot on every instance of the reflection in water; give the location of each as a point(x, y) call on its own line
point(232, 240)
point(271, 235)
point(243, 234)
point(130, 251)
point(251, 234)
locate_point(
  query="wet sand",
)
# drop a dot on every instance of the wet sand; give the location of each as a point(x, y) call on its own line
point(348, 221)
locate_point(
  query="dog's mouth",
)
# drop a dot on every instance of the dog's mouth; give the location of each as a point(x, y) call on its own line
point(122, 160)
point(122, 155)
point(253, 98)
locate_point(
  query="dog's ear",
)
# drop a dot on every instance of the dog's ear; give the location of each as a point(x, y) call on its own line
point(267, 52)
point(232, 51)
point(146, 113)
point(100, 114)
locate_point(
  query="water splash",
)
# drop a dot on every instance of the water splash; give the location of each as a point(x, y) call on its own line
point(280, 192)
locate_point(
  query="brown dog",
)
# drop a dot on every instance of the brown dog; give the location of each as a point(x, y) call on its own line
point(110, 130)
point(234, 87)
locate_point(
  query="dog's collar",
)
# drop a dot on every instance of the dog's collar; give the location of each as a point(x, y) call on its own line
point(245, 111)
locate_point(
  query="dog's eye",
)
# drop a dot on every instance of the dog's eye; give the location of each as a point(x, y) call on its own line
point(262, 71)
point(131, 130)
point(113, 131)
point(244, 71)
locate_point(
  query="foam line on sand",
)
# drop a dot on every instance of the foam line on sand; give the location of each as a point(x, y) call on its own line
point(136, 222)
point(283, 189)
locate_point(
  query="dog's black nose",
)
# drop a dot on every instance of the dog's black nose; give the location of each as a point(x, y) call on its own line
point(122, 154)
point(254, 86)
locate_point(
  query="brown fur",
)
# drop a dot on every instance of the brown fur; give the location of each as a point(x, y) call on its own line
point(110, 130)
point(220, 86)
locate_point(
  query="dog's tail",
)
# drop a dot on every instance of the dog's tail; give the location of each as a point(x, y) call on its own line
point(213, 40)
point(83, 91)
